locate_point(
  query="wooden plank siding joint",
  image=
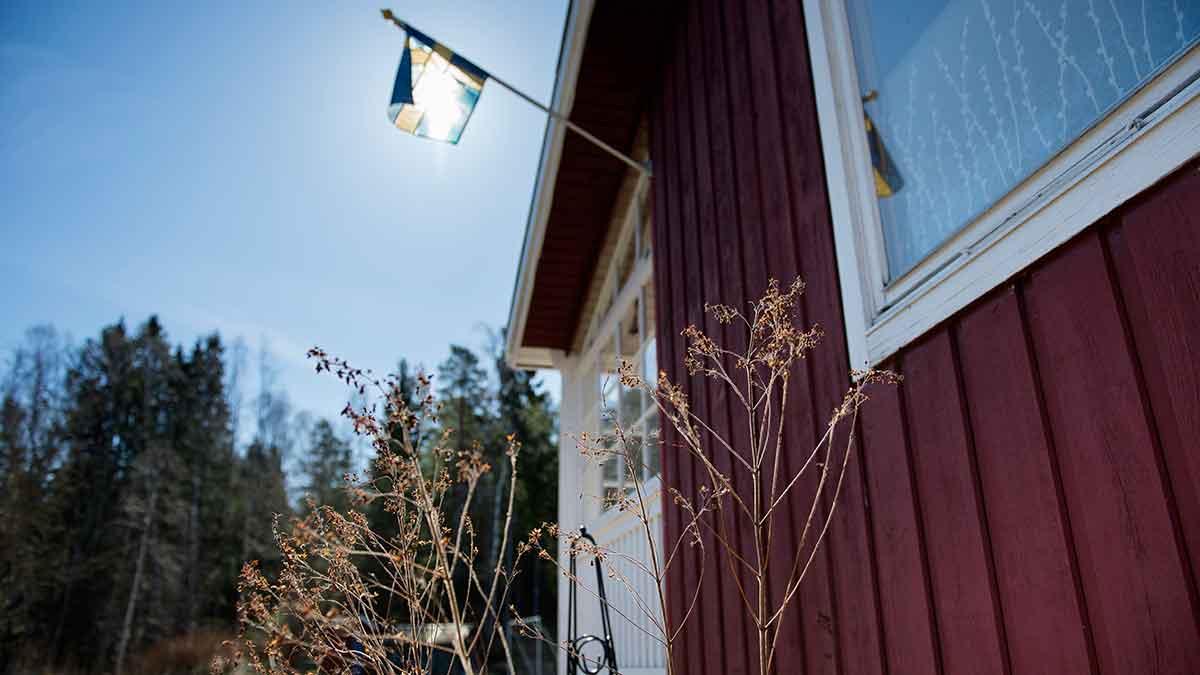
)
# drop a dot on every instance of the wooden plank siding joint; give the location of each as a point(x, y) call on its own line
point(1152, 425)
point(1064, 514)
point(922, 538)
point(980, 499)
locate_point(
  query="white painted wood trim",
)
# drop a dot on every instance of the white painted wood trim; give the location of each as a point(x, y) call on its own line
point(629, 227)
point(574, 40)
point(624, 536)
point(833, 76)
point(570, 507)
point(643, 273)
point(1143, 140)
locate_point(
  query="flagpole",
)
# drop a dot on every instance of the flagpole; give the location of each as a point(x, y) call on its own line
point(643, 168)
point(574, 127)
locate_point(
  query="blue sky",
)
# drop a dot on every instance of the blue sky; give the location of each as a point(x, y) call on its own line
point(229, 166)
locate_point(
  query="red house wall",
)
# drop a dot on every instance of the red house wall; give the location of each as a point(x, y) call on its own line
point(1029, 499)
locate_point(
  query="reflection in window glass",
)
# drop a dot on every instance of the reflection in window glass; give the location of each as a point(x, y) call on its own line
point(613, 475)
point(608, 385)
point(972, 96)
point(653, 438)
point(612, 469)
point(649, 371)
point(631, 406)
point(630, 341)
point(608, 402)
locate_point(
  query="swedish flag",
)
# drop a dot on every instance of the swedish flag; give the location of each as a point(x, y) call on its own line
point(435, 91)
point(887, 178)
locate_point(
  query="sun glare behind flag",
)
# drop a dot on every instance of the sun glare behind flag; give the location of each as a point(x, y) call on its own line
point(435, 91)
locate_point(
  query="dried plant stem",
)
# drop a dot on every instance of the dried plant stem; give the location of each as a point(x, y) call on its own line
point(324, 610)
point(760, 486)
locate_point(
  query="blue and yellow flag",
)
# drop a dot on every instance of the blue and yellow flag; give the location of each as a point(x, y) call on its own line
point(435, 91)
point(887, 177)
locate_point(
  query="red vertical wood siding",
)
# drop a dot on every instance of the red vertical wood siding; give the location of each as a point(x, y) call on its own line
point(1028, 500)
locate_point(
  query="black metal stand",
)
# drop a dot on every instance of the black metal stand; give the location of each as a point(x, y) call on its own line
point(576, 642)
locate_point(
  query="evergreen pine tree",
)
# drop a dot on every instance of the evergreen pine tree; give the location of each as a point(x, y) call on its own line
point(329, 458)
point(463, 393)
point(30, 446)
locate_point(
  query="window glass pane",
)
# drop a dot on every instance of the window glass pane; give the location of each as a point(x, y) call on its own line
point(608, 385)
point(650, 424)
point(630, 333)
point(972, 96)
point(633, 456)
point(651, 450)
point(650, 363)
point(631, 406)
point(612, 472)
point(609, 408)
point(612, 496)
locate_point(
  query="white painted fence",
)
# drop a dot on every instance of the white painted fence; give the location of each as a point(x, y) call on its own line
point(636, 638)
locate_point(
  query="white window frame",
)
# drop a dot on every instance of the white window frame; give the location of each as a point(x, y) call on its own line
point(649, 479)
point(605, 327)
point(1145, 138)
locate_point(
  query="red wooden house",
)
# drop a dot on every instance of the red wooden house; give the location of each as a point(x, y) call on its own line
point(1001, 201)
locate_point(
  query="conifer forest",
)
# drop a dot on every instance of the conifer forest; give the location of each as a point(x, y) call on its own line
point(137, 475)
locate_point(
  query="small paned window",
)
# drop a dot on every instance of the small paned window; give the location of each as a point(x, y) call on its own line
point(622, 330)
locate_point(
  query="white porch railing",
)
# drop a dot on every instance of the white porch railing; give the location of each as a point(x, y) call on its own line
point(635, 637)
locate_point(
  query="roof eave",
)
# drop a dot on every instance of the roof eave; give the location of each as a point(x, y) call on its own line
point(570, 57)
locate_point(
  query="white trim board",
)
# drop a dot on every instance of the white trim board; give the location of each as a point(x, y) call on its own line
point(1147, 137)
